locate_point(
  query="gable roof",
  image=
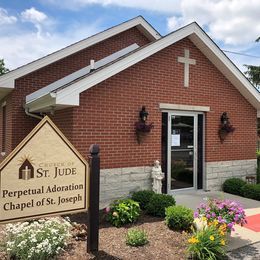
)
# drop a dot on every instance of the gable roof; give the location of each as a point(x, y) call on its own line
point(68, 95)
point(7, 81)
point(80, 73)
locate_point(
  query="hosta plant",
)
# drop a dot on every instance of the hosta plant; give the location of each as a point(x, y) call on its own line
point(122, 212)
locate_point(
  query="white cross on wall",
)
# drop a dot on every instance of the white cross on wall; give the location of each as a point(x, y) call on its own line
point(187, 61)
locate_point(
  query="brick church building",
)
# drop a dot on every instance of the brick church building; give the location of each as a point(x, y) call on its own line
point(203, 109)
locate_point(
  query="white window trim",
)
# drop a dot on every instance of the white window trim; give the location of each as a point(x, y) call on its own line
point(165, 106)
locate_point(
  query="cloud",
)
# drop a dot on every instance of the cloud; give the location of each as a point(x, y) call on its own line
point(37, 18)
point(27, 46)
point(5, 18)
point(165, 6)
point(233, 22)
point(33, 15)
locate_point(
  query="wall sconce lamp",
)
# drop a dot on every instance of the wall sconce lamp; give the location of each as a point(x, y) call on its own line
point(143, 114)
point(224, 119)
point(225, 127)
point(141, 127)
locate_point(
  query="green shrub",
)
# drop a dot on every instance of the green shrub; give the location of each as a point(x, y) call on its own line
point(207, 244)
point(234, 186)
point(136, 237)
point(179, 217)
point(158, 203)
point(252, 191)
point(123, 211)
point(143, 197)
point(40, 239)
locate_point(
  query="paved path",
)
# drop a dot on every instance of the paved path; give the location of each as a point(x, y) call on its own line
point(250, 252)
point(192, 199)
point(244, 243)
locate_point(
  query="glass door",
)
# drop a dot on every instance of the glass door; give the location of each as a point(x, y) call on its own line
point(182, 151)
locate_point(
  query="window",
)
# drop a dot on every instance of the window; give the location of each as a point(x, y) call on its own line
point(3, 128)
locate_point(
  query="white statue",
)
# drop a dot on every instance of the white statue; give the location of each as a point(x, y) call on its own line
point(157, 176)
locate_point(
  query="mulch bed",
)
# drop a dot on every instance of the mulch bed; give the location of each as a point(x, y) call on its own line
point(163, 242)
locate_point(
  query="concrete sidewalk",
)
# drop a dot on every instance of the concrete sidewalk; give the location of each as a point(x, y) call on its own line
point(242, 236)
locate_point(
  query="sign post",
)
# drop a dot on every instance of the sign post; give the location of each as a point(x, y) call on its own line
point(93, 210)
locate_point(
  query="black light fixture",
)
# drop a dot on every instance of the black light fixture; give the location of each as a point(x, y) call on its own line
point(224, 119)
point(225, 127)
point(143, 114)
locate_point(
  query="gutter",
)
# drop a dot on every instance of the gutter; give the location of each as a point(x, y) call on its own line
point(31, 114)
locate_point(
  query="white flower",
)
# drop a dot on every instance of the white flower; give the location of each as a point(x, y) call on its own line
point(200, 224)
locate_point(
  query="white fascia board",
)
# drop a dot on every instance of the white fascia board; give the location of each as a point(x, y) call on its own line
point(49, 102)
point(243, 85)
point(120, 65)
point(234, 75)
point(8, 80)
point(230, 70)
point(42, 103)
point(79, 73)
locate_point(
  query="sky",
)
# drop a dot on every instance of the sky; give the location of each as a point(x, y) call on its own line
point(32, 29)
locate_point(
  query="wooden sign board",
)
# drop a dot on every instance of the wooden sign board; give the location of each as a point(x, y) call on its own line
point(43, 176)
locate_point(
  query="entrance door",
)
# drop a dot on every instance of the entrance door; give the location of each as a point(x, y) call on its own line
point(182, 151)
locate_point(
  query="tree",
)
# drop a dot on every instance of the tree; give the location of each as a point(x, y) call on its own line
point(3, 69)
point(253, 72)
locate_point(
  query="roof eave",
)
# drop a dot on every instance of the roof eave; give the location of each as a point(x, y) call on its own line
point(225, 66)
point(200, 39)
point(8, 79)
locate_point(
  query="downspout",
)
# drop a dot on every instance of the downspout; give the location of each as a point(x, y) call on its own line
point(26, 109)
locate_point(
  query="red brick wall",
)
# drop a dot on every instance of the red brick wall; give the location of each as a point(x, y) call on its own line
point(21, 123)
point(109, 110)
point(8, 101)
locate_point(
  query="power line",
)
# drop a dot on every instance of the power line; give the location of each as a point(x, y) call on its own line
point(242, 54)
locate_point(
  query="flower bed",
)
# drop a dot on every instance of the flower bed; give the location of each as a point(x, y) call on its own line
point(224, 211)
point(214, 221)
point(40, 239)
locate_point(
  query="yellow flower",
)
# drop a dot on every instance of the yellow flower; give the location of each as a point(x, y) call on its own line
point(222, 233)
point(223, 228)
point(212, 238)
point(204, 219)
point(215, 222)
point(222, 242)
point(193, 240)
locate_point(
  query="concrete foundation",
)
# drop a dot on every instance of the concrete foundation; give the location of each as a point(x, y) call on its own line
point(218, 172)
point(119, 183)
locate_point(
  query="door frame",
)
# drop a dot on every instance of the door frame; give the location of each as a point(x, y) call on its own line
point(195, 149)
